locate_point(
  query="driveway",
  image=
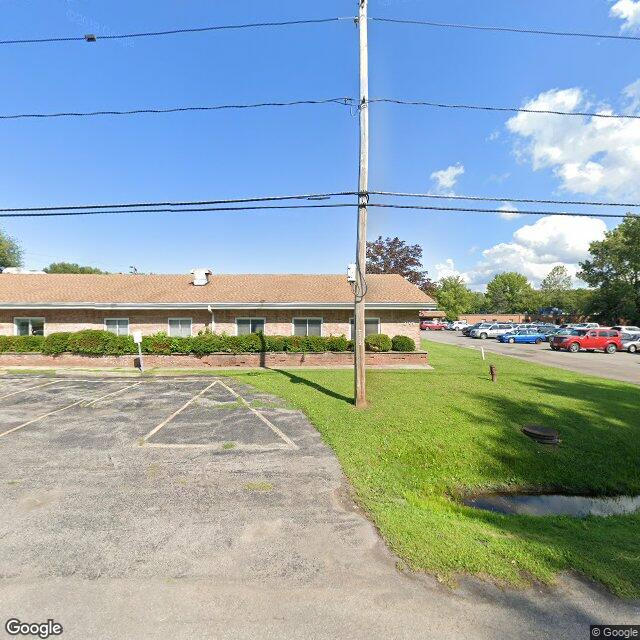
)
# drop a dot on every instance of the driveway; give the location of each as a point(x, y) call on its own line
point(618, 366)
point(199, 508)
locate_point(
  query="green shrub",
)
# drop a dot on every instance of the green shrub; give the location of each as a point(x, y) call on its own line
point(377, 342)
point(337, 343)
point(56, 343)
point(21, 344)
point(97, 343)
point(158, 343)
point(100, 343)
point(403, 343)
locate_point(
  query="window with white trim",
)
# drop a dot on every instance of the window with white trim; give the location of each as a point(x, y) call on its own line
point(119, 326)
point(28, 326)
point(371, 326)
point(245, 326)
point(307, 326)
point(179, 327)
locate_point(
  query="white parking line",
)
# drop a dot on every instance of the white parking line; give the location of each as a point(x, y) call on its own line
point(110, 395)
point(46, 415)
point(38, 386)
point(179, 411)
point(271, 426)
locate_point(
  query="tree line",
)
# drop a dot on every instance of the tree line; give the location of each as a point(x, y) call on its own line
point(611, 273)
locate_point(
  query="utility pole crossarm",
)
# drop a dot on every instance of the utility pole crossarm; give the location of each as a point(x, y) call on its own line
point(363, 200)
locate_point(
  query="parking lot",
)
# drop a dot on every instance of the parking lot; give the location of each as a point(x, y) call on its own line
point(200, 507)
point(618, 366)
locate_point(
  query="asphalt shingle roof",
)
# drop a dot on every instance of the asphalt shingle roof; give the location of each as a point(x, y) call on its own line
point(241, 288)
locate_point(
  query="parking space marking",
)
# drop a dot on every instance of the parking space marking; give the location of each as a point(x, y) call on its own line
point(51, 413)
point(38, 386)
point(110, 395)
point(178, 412)
point(271, 426)
point(219, 446)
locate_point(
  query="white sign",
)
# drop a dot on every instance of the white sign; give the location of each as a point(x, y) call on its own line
point(137, 337)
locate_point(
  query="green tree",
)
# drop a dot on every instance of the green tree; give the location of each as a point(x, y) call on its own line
point(453, 296)
point(70, 267)
point(10, 252)
point(614, 269)
point(478, 303)
point(510, 292)
point(392, 255)
point(556, 287)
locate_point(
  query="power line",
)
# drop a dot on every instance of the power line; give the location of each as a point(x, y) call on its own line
point(55, 212)
point(476, 27)
point(51, 214)
point(84, 114)
point(171, 32)
point(435, 196)
point(503, 211)
point(477, 107)
point(346, 101)
point(308, 196)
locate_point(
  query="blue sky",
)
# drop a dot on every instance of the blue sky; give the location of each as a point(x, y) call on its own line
point(311, 149)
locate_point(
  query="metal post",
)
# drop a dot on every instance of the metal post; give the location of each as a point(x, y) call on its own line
point(363, 199)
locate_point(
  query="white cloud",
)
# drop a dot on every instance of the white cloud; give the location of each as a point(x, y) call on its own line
point(509, 211)
point(588, 155)
point(629, 12)
point(447, 269)
point(445, 180)
point(536, 248)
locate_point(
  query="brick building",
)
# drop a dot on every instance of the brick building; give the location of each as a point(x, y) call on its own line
point(183, 305)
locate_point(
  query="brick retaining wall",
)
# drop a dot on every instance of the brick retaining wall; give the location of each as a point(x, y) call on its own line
point(215, 360)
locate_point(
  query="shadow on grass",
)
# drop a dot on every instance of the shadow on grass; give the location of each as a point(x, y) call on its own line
point(299, 379)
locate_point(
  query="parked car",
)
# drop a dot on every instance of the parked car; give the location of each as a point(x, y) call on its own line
point(606, 340)
point(433, 325)
point(469, 328)
point(585, 325)
point(491, 330)
point(627, 329)
point(630, 342)
point(556, 331)
point(458, 325)
point(522, 336)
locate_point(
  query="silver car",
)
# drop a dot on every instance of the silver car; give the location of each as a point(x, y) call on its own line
point(630, 342)
point(491, 330)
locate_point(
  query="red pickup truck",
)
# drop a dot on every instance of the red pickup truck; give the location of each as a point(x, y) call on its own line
point(606, 340)
point(432, 325)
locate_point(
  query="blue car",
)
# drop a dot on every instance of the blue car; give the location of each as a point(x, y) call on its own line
point(523, 336)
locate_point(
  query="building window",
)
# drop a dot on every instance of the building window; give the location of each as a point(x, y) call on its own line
point(307, 326)
point(245, 326)
point(119, 326)
point(179, 327)
point(29, 326)
point(371, 326)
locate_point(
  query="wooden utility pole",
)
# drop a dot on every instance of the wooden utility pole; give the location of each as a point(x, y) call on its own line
point(363, 200)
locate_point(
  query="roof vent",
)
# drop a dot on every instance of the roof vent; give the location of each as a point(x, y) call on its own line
point(201, 277)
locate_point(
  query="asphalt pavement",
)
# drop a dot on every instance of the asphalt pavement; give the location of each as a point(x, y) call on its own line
point(617, 366)
point(202, 508)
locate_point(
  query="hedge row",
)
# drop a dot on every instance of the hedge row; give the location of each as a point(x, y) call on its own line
point(99, 343)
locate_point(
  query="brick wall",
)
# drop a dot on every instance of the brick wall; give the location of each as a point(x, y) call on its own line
point(495, 317)
point(215, 360)
point(278, 322)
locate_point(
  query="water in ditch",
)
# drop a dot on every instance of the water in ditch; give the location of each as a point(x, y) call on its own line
point(555, 505)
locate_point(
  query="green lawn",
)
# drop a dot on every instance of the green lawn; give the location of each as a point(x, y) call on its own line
point(430, 436)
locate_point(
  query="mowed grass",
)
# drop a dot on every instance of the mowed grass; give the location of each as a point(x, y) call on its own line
point(429, 437)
